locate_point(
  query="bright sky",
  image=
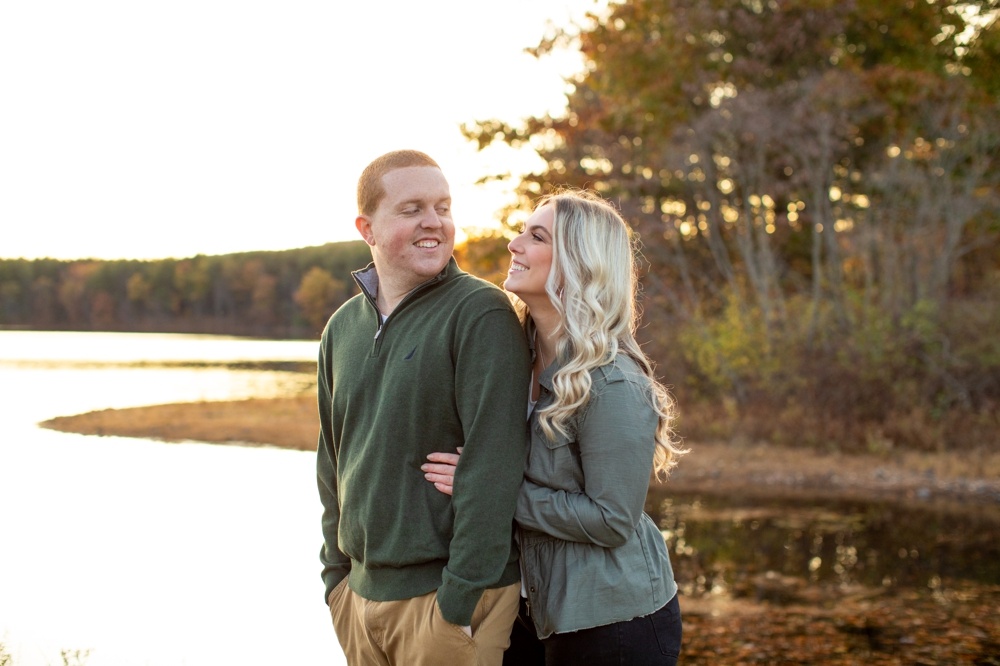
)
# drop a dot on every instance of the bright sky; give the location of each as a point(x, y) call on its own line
point(141, 129)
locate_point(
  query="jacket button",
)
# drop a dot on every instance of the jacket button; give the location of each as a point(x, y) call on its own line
point(531, 589)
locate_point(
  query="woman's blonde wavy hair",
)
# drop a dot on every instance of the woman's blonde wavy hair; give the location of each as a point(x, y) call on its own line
point(593, 285)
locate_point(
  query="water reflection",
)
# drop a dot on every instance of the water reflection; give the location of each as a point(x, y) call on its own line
point(149, 553)
point(44, 374)
point(69, 348)
point(771, 550)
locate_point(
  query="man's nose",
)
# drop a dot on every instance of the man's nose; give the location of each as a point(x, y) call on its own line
point(432, 219)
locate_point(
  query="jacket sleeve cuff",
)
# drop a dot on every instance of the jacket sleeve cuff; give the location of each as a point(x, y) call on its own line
point(457, 599)
point(333, 574)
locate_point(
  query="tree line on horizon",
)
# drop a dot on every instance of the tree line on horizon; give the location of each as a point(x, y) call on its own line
point(287, 293)
point(275, 294)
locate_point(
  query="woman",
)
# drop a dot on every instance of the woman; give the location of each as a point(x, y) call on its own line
point(597, 585)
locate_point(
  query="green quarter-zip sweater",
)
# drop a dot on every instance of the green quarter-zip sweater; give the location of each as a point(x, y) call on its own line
point(447, 368)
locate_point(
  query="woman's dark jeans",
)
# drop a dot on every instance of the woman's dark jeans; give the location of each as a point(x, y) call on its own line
point(651, 640)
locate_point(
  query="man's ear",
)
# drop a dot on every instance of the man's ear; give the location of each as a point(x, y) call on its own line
point(364, 227)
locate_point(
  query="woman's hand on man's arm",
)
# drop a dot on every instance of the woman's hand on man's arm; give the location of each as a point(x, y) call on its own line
point(441, 470)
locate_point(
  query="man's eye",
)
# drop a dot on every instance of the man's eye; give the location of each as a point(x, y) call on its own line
point(443, 210)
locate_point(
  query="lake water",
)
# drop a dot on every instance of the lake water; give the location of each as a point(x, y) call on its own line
point(738, 547)
point(146, 553)
point(152, 554)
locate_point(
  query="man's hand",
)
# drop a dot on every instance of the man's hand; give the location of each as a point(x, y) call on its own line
point(441, 472)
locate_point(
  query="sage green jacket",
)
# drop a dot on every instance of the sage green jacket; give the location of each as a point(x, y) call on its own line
point(589, 555)
point(447, 368)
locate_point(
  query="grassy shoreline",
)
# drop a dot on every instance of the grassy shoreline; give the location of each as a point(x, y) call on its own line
point(711, 467)
point(288, 422)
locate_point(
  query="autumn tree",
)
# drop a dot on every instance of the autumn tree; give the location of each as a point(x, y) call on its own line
point(806, 177)
point(485, 255)
point(318, 296)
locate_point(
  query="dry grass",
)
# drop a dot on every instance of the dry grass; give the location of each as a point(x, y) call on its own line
point(767, 469)
point(284, 422)
point(714, 466)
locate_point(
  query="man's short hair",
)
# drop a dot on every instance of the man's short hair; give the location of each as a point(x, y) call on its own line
point(370, 188)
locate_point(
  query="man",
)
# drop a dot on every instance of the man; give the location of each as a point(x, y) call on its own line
point(426, 358)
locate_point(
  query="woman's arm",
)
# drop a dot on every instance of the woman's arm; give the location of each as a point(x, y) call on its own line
point(616, 439)
point(616, 442)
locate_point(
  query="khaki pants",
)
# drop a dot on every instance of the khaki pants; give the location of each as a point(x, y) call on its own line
point(411, 632)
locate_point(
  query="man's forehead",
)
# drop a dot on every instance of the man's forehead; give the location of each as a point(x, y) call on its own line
point(419, 183)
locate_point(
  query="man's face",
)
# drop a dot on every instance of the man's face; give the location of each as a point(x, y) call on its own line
point(411, 233)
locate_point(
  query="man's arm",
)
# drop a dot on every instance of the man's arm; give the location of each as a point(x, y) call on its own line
point(492, 374)
point(336, 565)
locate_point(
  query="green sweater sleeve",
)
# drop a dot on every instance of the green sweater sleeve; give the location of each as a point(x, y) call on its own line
point(492, 374)
point(336, 565)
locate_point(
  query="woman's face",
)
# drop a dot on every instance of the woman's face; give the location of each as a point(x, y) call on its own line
point(531, 257)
